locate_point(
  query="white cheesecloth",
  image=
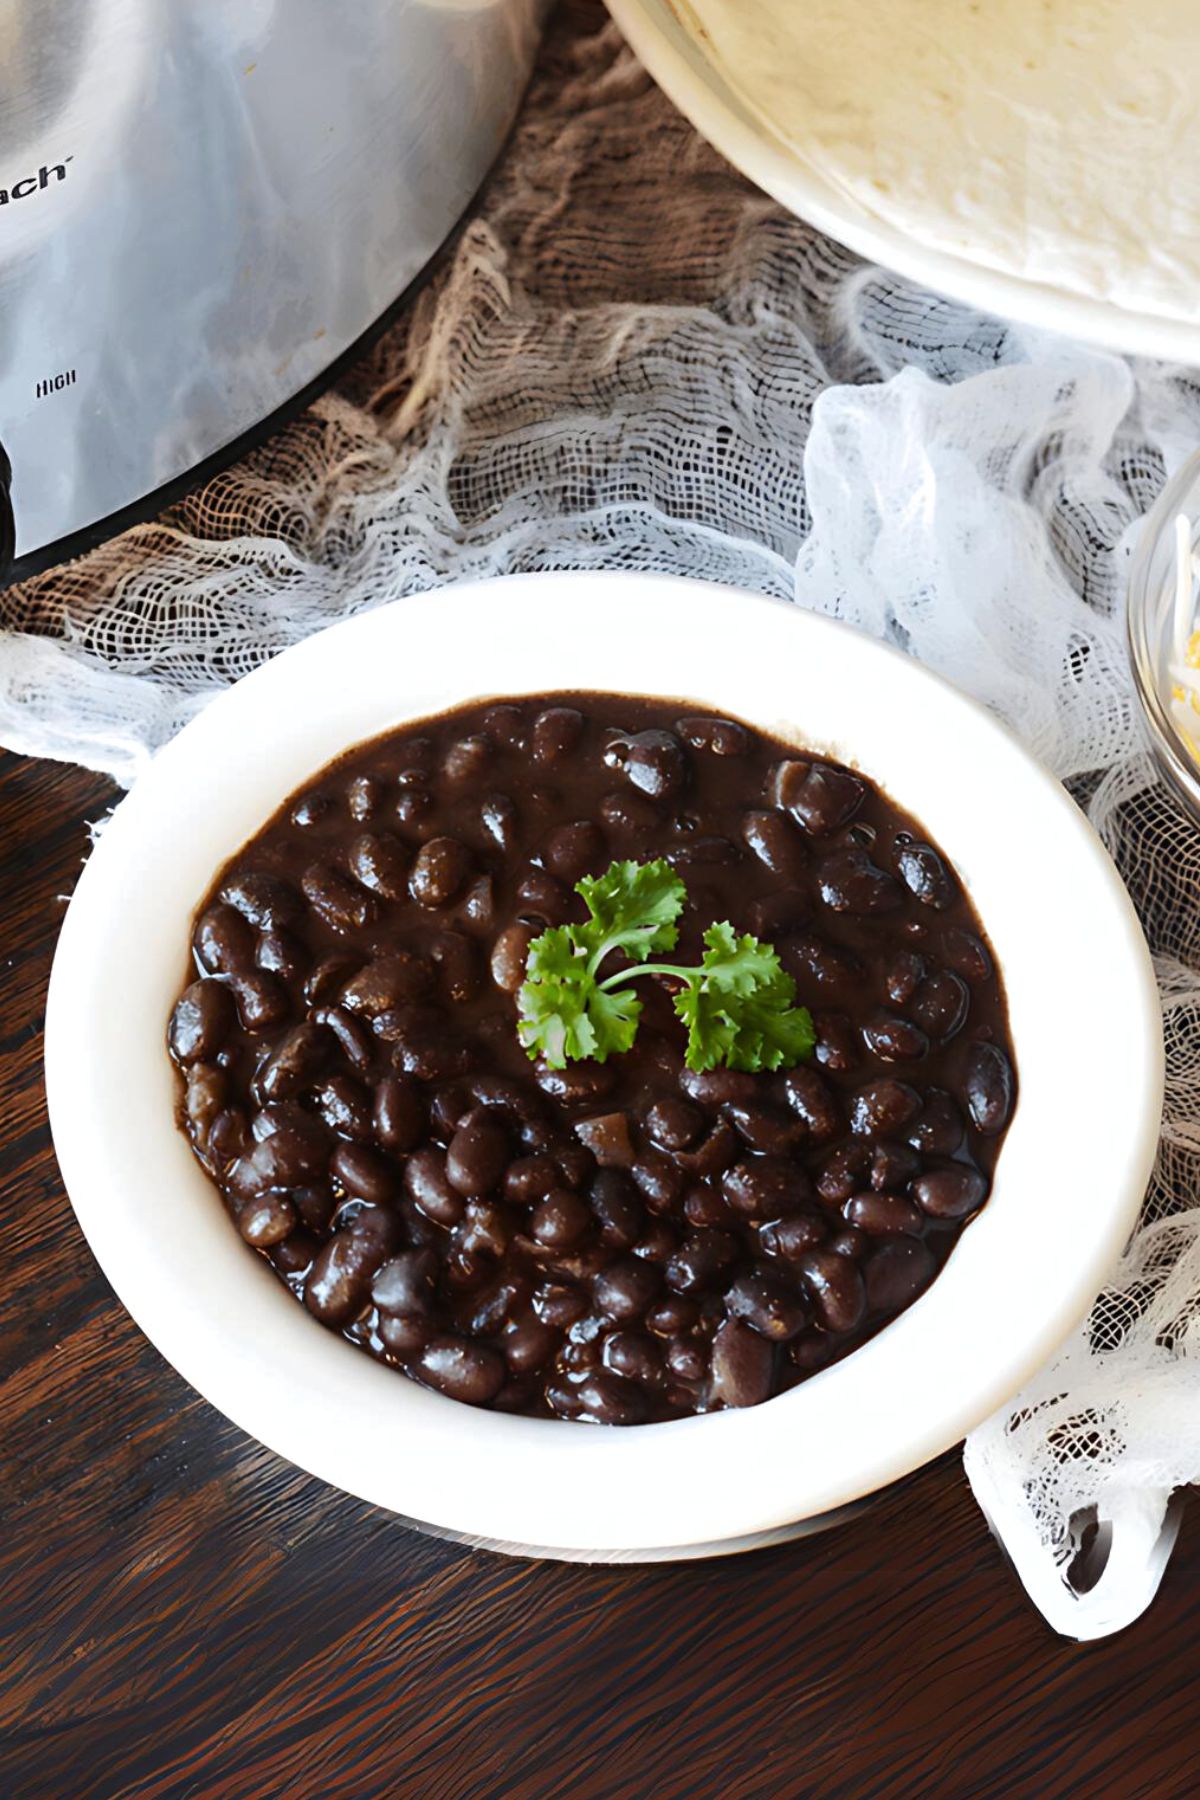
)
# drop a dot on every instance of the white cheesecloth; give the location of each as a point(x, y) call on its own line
point(634, 359)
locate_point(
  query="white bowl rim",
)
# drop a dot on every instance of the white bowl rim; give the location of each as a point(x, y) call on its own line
point(695, 84)
point(989, 1321)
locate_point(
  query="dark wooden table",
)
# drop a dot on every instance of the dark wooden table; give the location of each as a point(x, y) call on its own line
point(183, 1614)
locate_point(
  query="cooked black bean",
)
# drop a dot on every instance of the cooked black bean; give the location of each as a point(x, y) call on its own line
point(652, 761)
point(940, 1004)
point(280, 954)
point(555, 733)
point(380, 862)
point(819, 796)
point(613, 1241)
point(719, 737)
point(441, 867)
point(926, 876)
point(202, 1020)
point(337, 901)
point(777, 845)
point(741, 1366)
point(850, 882)
point(764, 1187)
point(223, 941)
point(508, 957)
point(896, 1273)
point(950, 1193)
point(836, 1287)
point(989, 1088)
point(266, 901)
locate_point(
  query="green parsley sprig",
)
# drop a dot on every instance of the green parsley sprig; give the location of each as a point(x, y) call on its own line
point(738, 1002)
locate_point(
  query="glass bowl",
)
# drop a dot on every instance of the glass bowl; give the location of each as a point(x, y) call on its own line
point(1151, 628)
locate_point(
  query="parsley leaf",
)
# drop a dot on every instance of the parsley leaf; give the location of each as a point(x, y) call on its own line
point(739, 1004)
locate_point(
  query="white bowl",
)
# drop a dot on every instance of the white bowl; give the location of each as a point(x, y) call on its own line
point(1084, 1015)
point(682, 64)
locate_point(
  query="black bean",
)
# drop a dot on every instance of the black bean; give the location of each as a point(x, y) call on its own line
point(541, 896)
point(575, 1164)
point(527, 1345)
point(843, 1171)
point(850, 882)
point(686, 1360)
point(836, 1286)
point(428, 1187)
point(530, 1178)
point(608, 1138)
point(405, 1283)
point(989, 1088)
point(849, 1241)
point(467, 1371)
point(380, 862)
point(777, 845)
point(405, 1334)
point(715, 1087)
point(310, 809)
point(337, 901)
point(315, 1206)
point(836, 1048)
point(653, 762)
point(477, 1156)
point(938, 1129)
point(894, 1039)
point(279, 953)
point(966, 954)
point(364, 1172)
point(223, 941)
point(703, 1205)
point(700, 1260)
point(508, 957)
point(766, 1128)
point(413, 812)
point(559, 1305)
point(813, 959)
point(617, 1209)
point(883, 1107)
point(486, 1231)
point(468, 760)
point(516, 1102)
point(673, 1314)
point(674, 1123)
point(294, 1255)
point(903, 975)
point(893, 1166)
point(598, 1398)
point(791, 1237)
point(629, 815)
point(814, 1103)
point(896, 1273)
point(884, 1215)
point(204, 1098)
point(719, 737)
point(500, 821)
point(713, 1154)
point(345, 1106)
point(633, 1354)
point(453, 955)
point(505, 725)
point(559, 1220)
point(388, 982)
point(328, 974)
point(950, 1193)
point(764, 1187)
point(941, 1003)
point(262, 1000)
point(573, 851)
point(201, 1022)
point(421, 1044)
point(339, 1283)
point(229, 1137)
point(353, 1038)
point(266, 901)
point(704, 853)
point(579, 1084)
point(926, 876)
point(741, 1366)
point(658, 1179)
point(399, 1114)
point(266, 1220)
point(476, 909)
point(819, 796)
point(625, 1288)
point(555, 733)
point(441, 868)
point(364, 796)
point(768, 1304)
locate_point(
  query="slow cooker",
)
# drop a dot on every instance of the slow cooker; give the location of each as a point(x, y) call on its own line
point(204, 204)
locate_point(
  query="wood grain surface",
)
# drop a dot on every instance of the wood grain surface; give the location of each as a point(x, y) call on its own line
point(181, 1614)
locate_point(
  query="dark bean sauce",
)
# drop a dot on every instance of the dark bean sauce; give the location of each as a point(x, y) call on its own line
point(613, 1243)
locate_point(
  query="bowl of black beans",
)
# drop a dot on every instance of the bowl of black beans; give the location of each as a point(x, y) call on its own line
point(602, 1065)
